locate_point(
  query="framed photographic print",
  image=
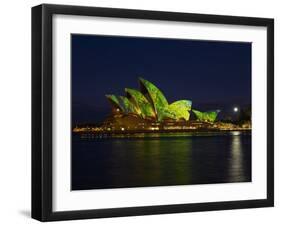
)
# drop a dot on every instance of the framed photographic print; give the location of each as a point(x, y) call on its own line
point(145, 112)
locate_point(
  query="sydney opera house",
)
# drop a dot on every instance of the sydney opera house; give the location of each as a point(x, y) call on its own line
point(149, 108)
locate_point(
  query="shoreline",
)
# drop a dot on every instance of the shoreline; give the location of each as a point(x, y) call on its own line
point(149, 133)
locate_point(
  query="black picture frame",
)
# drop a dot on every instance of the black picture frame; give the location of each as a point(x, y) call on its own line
point(42, 111)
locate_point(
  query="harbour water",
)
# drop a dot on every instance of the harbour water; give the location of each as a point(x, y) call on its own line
point(160, 159)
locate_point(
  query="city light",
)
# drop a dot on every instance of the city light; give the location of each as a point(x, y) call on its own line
point(148, 111)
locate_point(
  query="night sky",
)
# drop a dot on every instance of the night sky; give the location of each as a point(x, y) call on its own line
point(214, 75)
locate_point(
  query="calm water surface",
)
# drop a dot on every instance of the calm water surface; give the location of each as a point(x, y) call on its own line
point(160, 160)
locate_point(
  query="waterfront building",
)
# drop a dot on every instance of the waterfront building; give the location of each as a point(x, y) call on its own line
point(149, 103)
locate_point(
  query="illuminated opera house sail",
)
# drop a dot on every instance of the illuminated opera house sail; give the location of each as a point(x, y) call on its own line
point(150, 103)
point(209, 116)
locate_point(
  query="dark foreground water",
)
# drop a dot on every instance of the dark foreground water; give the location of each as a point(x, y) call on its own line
point(161, 159)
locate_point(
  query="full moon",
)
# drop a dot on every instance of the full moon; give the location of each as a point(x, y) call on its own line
point(235, 109)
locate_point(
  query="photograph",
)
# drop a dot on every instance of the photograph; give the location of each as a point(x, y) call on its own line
point(142, 112)
point(149, 111)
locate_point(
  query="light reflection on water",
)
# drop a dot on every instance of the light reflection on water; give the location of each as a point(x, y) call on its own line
point(161, 160)
point(235, 133)
point(157, 135)
point(236, 159)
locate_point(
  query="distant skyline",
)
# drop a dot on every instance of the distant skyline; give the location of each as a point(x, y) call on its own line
point(210, 73)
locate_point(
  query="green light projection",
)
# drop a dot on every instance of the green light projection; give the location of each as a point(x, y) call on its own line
point(209, 116)
point(159, 101)
point(143, 106)
point(179, 109)
point(150, 102)
point(128, 105)
point(116, 103)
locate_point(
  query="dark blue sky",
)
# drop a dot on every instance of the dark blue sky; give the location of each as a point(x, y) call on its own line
point(211, 74)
